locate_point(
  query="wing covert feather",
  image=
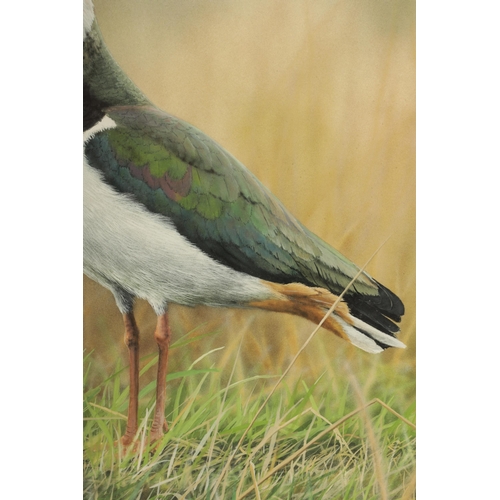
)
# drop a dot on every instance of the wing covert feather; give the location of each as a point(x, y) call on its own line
point(177, 171)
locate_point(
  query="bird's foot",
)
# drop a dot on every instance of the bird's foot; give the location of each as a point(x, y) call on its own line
point(126, 440)
point(157, 433)
point(130, 441)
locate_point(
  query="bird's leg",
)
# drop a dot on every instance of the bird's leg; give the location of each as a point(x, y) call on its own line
point(162, 337)
point(132, 342)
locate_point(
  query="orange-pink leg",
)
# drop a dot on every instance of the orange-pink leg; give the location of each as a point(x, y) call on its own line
point(162, 337)
point(132, 342)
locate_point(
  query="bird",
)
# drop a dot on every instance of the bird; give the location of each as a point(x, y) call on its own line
point(170, 216)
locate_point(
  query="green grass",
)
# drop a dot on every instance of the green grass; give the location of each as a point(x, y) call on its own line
point(311, 440)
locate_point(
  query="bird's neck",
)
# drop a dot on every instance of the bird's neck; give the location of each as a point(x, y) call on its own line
point(104, 82)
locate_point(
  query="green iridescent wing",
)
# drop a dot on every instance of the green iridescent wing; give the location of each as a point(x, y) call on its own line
point(214, 201)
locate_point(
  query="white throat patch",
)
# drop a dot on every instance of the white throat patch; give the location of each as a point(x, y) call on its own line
point(88, 16)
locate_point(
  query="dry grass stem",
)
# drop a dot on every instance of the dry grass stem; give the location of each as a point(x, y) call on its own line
point(409, 493)
point(254, 479)
point(396, 414)
point(108, 410)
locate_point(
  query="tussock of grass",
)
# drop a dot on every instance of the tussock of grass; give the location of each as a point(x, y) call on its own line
point(308, 441)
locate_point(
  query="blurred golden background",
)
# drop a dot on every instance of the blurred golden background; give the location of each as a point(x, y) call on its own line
point(317, 98)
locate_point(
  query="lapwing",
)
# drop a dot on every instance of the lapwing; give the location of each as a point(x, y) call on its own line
point(171, 217)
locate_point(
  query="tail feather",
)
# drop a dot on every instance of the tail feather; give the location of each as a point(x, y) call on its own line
point(359, 339)
point(379, 311)
point(371, 332)
point(382, 339)
point(373, 317)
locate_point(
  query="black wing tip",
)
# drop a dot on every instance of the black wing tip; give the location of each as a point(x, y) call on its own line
point(389, 303)
point(381, 311)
